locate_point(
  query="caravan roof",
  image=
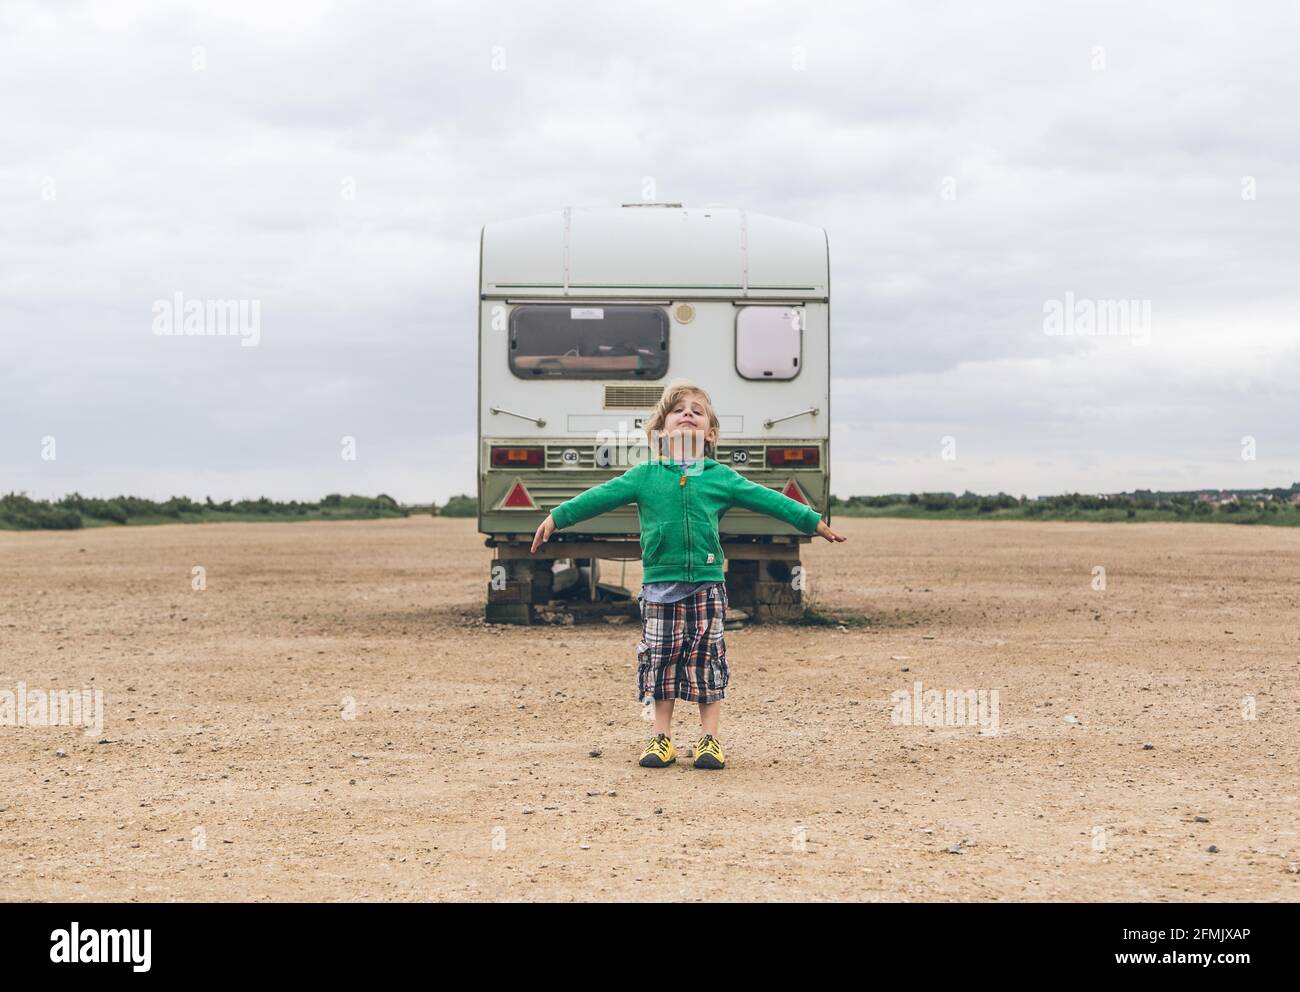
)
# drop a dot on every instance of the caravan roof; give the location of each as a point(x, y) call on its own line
point(654, 250)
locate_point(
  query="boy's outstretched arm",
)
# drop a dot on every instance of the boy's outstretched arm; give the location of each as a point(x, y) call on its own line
point(609, 495)
point(751, 495)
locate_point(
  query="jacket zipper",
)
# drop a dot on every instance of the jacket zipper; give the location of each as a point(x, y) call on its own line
point(686, 514)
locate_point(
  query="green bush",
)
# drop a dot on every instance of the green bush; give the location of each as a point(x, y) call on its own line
point(23, 513)
point(935, 502)
point(97, 509)
point(107, 509)
point(457, 506)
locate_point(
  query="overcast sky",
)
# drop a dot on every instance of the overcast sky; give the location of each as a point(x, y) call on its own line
point(971, 163)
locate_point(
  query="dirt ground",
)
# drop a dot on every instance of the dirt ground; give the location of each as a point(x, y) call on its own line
point(330, 719)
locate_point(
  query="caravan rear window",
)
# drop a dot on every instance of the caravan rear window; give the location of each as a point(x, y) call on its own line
point(588, 342)
point(769, 341)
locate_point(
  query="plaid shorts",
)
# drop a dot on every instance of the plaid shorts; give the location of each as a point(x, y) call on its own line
point(681, 654)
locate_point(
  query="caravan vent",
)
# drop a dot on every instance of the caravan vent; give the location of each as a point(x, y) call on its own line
point(618, 397)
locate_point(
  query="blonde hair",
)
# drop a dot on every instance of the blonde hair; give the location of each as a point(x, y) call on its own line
point(672, 395)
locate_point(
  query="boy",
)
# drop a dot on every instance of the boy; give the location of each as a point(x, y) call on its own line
point(680, 492)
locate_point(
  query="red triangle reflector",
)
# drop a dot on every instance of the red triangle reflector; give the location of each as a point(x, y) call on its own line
point(518, 498)
point(794, 492)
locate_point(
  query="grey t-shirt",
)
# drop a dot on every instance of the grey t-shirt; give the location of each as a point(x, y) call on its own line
point(671, 592)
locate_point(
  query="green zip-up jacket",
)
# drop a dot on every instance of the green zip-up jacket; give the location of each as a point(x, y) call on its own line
point(679, 519)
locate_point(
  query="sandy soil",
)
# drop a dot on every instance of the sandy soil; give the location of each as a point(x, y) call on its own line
point(330, 719)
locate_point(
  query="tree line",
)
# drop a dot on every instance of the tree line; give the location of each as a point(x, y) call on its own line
point(72, 512)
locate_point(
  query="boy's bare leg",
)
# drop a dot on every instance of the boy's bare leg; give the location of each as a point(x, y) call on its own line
point(664, 716)
point(710, 714)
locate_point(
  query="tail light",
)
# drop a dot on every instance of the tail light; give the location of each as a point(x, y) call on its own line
point(793, 457)
point(518, 457)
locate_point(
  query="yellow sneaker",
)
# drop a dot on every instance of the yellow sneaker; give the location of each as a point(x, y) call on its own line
point(708, 753)
point(659, 753)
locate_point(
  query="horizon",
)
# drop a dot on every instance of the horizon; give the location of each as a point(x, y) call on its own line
point(1292, 487)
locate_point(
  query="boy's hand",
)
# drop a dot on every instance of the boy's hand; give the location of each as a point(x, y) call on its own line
point(544, 533)
point(830, 535)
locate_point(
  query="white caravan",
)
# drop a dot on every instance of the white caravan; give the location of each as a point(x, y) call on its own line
point(585, 314)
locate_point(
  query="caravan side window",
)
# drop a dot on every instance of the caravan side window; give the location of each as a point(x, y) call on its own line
point(769, 342)
point(561, 341)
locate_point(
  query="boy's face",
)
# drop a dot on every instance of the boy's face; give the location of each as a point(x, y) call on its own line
point(687, 427)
